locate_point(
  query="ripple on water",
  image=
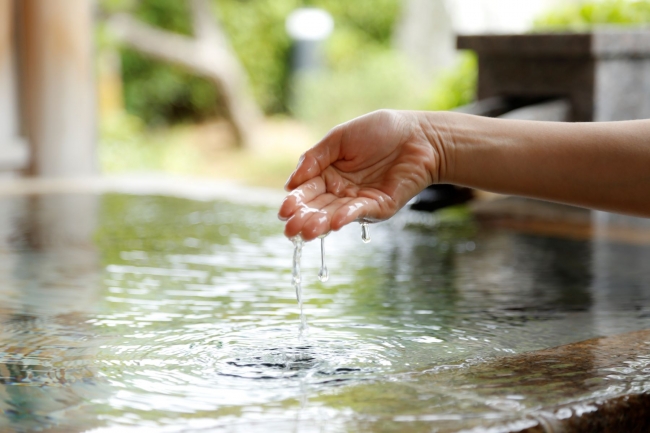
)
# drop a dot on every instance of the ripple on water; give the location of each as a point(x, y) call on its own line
point(180, 312)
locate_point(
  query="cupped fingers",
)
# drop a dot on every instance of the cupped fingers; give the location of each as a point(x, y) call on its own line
point(319, 224)
point(305, 193)
point(359, 208)
point(306, 211)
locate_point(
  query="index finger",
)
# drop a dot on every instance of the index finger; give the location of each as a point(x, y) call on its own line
point(315, 160)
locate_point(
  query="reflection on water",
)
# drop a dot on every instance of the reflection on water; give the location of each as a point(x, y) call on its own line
point(122, 311)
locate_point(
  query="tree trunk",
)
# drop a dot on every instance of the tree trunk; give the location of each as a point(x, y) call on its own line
point(208, 54)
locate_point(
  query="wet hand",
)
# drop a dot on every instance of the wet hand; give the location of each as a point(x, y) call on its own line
point(363, 170)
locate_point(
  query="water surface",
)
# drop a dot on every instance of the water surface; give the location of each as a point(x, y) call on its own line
point(123, 312)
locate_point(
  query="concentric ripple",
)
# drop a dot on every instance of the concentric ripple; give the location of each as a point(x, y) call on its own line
point(178, 315)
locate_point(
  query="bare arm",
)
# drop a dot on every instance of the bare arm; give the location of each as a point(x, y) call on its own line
point(598, 165)
point(368, 168)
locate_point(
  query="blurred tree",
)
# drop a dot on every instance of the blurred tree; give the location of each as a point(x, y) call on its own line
point(207, 54)
point(160, 92)
point(587, 14)
point(455, 86)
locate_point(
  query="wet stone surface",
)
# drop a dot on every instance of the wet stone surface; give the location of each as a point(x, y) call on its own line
point(126, 313)
point(600, 384)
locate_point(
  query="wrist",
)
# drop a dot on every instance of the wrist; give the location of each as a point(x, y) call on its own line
point(436, 129)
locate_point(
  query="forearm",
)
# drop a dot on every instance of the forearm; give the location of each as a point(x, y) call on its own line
point(598, 165)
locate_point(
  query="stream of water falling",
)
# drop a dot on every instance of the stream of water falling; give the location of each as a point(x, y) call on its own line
point(323, 273)
point(295, 273)
point(155, 313)
point(365, 232)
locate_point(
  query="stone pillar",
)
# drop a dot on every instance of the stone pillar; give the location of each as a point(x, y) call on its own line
point(58, 86)
point(605, 74)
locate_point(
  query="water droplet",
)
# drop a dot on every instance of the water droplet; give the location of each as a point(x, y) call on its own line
point(365, 232)
point(323, 274)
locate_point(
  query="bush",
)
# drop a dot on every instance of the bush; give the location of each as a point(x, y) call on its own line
point(157, 92)
point(457, 86)
point(160, 92)
point(257, 33)
point(126, 145)
point(587, 14)
point(381, 79)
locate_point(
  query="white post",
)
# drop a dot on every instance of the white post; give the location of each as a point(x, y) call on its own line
point(59, 92)
point(424, 33)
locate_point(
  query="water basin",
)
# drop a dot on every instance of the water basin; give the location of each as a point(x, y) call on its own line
point(125, 312)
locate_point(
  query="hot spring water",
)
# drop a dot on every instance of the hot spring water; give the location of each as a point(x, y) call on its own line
point(323, 273)
point(136, 313)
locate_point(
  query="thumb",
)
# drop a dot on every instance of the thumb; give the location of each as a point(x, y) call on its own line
point(315, 160)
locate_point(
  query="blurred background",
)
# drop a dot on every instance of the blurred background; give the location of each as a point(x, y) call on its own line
point(236, 89)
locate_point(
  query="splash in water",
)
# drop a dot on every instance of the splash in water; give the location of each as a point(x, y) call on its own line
point(323, 274)
point(365, 232)
point(295, 272)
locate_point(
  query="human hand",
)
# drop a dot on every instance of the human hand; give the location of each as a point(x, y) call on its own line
point(362, 170)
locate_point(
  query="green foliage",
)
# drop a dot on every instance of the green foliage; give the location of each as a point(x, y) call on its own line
point(373, 18)
point(587, 14)
point(156, 91)
point(457, 86)
point(112, 6)
point(170, 15)
point(257, 33)
point(159, 92)
point(381, 79)
point(126, 146)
